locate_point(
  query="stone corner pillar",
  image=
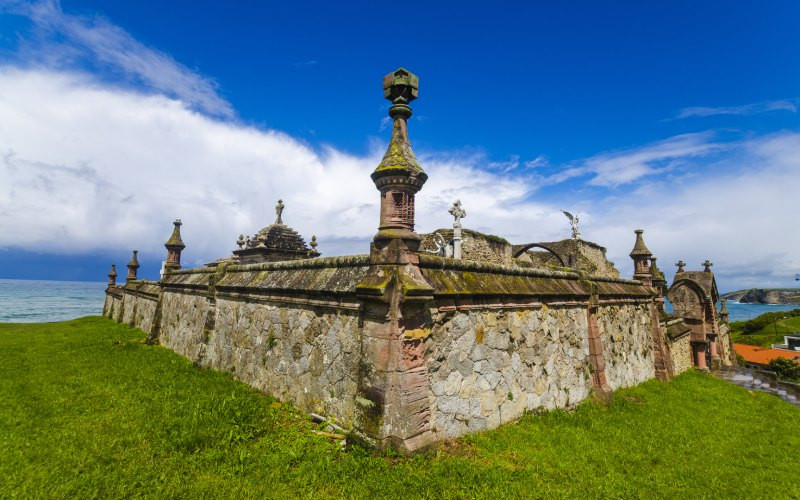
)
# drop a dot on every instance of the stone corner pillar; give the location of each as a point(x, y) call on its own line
point(394, 397)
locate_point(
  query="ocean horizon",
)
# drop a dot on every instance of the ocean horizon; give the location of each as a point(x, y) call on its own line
point(38, 301)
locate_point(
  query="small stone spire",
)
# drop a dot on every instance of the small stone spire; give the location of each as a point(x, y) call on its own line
point(112, 276)
point(640, 255)
point(681, 265)
point(313, 243)
point(657, 277)
point(133, 266)
point(723, 311)
point(707, 264)
point(398, 176)
point(174, 247)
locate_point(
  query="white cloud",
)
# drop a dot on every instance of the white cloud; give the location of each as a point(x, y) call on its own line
point(65, 40)
point(746, 109)
point(629, 165)
point(743, 216)
point(85, 167)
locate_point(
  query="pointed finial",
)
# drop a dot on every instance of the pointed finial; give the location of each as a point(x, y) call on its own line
point(400, 87)
point(681, 264)
point(707, 265)
point(175, 240)
point(639, 248)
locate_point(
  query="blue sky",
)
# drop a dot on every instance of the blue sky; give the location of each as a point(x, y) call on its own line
point(677, 117)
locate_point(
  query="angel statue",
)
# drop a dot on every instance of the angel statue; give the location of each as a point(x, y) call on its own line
point(573, 220)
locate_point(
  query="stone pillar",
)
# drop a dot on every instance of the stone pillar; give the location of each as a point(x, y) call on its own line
point(700, 355)
point(393, 403)
point(723, 311)
point(133, 266)
point(596, 357)
point(459, 213)
point(112, 277)
point(641, 255)
point(716, 359)
point(174, 246)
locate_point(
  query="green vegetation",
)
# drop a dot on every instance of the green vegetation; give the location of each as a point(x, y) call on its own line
point(766, 329)
point(89, 410)
point(785, 369)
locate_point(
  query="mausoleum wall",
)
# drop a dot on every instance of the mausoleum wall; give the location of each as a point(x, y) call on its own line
point(487, 367)
point(627, 338)
point(681, 350)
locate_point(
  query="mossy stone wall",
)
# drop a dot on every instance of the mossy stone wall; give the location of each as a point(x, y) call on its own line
point(627, 338)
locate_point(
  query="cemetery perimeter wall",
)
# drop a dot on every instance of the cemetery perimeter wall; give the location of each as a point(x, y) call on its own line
point(497, 342)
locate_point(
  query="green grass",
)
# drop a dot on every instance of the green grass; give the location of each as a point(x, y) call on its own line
point(766, 336)
point(87, 410)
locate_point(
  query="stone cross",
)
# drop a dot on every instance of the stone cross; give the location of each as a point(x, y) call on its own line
point(458, 212)
point(681, 264)
point(279, 212)
point(707, 265)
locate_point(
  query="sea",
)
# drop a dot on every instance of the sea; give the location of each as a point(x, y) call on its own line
point(32, 301)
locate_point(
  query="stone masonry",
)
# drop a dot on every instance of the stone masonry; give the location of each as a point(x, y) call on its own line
point(406, 348)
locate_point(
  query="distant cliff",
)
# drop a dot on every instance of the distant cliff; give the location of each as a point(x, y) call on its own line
point(765, 296)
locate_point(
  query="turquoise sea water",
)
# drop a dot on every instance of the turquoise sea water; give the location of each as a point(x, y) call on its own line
point(25, 301)
point(30, 301)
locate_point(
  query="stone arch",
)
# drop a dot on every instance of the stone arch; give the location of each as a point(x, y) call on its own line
point(520, 249)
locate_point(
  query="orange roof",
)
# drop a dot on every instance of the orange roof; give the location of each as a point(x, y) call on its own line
point(763, 355)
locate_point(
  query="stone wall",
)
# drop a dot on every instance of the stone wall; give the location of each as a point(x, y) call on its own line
point(626, 335)
point(475, 246)
point(681, 350)
point(487, 367)
point(183, 323)
point(491, 341)
point(306, 355)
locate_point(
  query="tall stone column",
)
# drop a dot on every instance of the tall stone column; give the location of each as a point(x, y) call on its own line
point(394, 406)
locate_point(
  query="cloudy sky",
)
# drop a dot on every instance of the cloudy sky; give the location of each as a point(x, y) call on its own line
point(679, 118)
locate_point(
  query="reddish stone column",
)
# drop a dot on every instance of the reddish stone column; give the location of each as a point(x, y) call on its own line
point(596, 357)
point(700, 353)
point(394, 407)
point(661, 355)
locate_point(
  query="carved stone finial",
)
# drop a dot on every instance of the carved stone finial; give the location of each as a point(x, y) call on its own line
point(279, 212)
point(458, 212)
point(112, 276)
point(241, 241)
point(400, 87)
point(398, 176)
point(681, 264)
point(313, 242)
point(707, 264)
point(133, 266)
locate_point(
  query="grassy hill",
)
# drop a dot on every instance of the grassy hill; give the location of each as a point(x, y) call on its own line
point(766, 329)
point(88, 410)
